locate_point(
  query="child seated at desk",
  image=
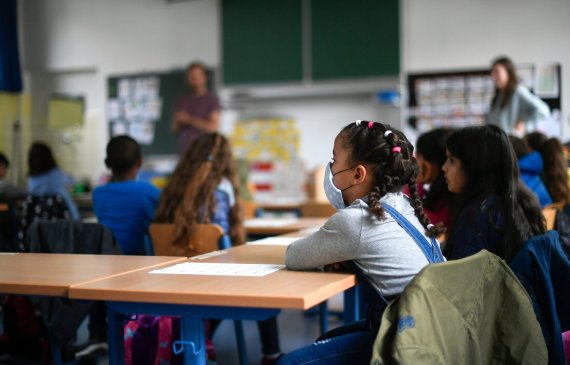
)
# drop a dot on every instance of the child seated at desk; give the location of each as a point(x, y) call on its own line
point(496, 212)
point(380, 233)
point(204, 188)
point(6, 188)
point(46, 178)
point(124, 205)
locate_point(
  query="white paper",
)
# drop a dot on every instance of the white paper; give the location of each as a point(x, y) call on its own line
point(194, 268)
point(269, 222)
point(309, 230)
point(279, 241)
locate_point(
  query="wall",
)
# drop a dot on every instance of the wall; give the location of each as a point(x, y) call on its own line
point(73, 46)
point(90, 40)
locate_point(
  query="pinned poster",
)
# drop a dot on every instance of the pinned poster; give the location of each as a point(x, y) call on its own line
point(547, 81)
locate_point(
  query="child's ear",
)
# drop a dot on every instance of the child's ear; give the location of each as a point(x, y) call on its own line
point(139, 163)
point(360, 174)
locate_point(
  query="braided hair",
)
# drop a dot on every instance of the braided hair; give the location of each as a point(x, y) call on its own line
point(189, 198)
point(390, 154)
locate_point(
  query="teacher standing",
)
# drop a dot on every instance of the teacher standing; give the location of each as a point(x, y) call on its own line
point(196, 112)
point(513, 107)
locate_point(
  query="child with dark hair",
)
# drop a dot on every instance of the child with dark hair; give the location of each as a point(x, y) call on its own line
point(205, 188)
point(496, 211)
point(555, 173)
point(124, 205)
point(430, 154)
point(531, 167)
point(46, 178)
point(378, 231)
point(6, 188)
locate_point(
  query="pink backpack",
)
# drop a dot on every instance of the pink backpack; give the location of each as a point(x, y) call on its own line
point(149, 339)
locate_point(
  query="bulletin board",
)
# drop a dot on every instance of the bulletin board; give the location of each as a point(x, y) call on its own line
point(462, 98)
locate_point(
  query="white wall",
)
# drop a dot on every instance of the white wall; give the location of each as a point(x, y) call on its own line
point(64, 42)
point(106, 37)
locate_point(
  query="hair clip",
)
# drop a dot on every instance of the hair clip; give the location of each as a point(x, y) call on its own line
point(397, 149)
point(358, 122)
point(210, 158)
point(370, 125)
point(430, 226)
point(387, 133)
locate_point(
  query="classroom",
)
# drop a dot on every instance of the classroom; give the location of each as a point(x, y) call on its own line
point(289, 80)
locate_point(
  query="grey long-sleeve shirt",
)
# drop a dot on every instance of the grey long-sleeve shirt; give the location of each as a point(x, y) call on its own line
point(386, 254)
point(524, 106)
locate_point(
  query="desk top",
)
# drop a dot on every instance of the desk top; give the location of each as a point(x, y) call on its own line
point(52, 274)
point(281, 289)
point(277, 226)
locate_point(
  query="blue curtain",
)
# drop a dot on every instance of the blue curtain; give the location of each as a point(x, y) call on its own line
point(10, 75)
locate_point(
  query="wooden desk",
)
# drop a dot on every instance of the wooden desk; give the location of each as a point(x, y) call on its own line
point(198, 297)
point(52, 274)
point(277, 226)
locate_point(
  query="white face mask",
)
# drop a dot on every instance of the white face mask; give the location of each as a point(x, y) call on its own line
point(334, 194)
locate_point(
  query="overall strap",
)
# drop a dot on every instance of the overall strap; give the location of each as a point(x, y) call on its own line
point(431, 251)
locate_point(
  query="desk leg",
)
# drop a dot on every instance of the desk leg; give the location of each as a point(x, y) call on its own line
point(115, 336)
point(192, 341)
point(351, 305)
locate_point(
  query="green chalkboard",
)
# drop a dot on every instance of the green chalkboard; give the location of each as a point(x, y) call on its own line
point(353, 39)
point(170, 87)
point(261, 41)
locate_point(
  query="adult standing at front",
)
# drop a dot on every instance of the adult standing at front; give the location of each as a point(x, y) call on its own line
point(196, 112)
point(513, 107)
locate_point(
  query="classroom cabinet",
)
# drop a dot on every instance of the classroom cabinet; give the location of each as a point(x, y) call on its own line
point(289, 41)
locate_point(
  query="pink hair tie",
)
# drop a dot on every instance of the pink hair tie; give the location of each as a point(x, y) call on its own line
point(397, 149)
point(370, 125)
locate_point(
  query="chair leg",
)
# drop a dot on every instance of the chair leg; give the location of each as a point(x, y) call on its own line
point(55, 350)
point(242, 350)
point(324, 317)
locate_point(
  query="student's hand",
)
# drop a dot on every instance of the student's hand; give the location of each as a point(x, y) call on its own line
point(182, 117)
point(518, 129)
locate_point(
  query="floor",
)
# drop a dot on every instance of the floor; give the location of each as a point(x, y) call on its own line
point(296, 329)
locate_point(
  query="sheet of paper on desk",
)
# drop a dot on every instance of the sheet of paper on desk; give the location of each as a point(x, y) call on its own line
point(309, 230)
point(269, 222)
point(194, 268)
point(280, 241)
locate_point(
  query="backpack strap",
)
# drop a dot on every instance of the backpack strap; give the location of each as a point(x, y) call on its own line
point(431, 251)
point(164, 348)
point(128, 334)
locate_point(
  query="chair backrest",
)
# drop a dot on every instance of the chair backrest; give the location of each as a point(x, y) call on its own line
point(549, 213)
point(204, 239)
point(39, 208)
point(249, 209)
point(317, 209)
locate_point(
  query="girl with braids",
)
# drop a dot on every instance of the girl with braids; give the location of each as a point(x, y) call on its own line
point(381, 234)
point(204, 188)
point(496, 211)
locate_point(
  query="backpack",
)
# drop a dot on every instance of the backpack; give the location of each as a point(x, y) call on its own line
point(149, 341)
point(24, 332)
